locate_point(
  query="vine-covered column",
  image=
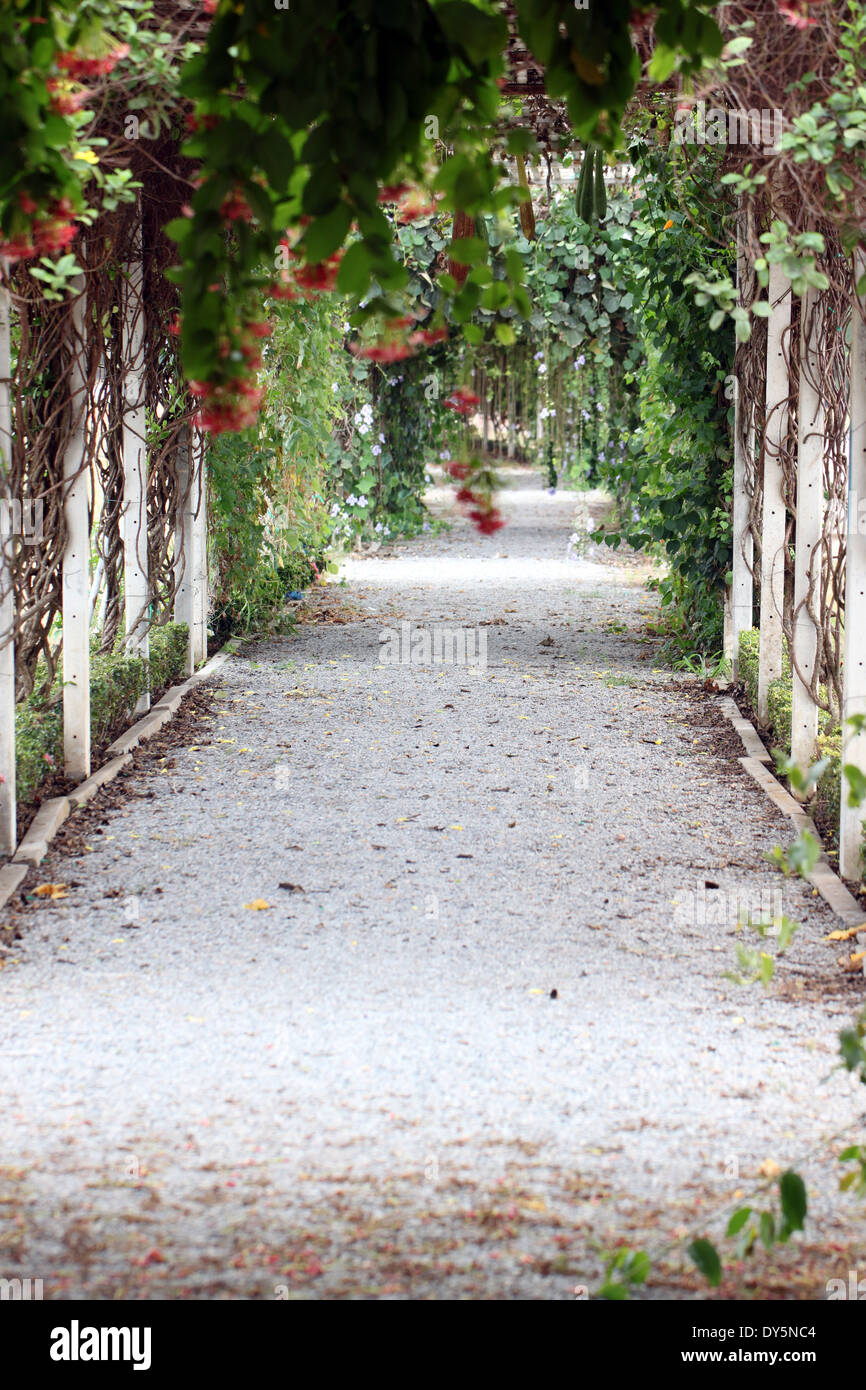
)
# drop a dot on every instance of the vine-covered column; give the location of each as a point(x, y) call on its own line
point(807, 546)
point(135, 562)
point(773, 523)
point(76, 556)
point(742, 581)
point(8, 828)
point(854, 664)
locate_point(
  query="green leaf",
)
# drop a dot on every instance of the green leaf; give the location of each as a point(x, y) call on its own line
point(792, 1191)
point(768, 1229)
point(327, 232)
point(482, 36)
point(353, 276)
point(706, 1257)
point(738, 1221)
point(856, 784)
point(468, 250)
point(277, 158)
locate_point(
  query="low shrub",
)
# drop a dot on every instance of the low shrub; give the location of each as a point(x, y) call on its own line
point(116, 683)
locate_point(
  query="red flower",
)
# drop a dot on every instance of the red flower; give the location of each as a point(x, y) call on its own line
point(462, 400)
point(793, 13)
point(235, 208)
point(426, 336)
point(413, 207)
point(392, 193)
point(63, 100)
point(53, 234)
point(321, 275)
point(229, 405)
point(465, 494)
point(80, 65)
point(394, 351)
point(488, 521)
point(26, 203)
point(459, 470)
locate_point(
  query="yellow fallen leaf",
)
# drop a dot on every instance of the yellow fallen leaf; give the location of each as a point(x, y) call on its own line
point(257, 905)
point(536, 991)
point(191, 1019)
point(769, 1168)
point(51, 890)
point(845, 935)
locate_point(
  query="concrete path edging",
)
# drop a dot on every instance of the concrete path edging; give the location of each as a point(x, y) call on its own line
point(831, 888)
point(52, 813)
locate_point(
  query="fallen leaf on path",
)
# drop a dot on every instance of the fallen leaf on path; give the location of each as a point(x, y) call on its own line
point(769, 1168)
point(51, 890)
point(845, 935)
point(258, 905)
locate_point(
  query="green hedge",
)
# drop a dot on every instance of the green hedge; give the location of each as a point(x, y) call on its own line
point(116, 683)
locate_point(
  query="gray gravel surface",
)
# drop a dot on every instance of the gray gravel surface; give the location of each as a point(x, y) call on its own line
point(406, 979)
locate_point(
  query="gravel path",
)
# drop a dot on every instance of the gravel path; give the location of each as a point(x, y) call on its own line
point(406, 978)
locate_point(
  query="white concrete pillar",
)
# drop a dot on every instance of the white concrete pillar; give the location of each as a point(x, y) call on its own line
point(201, 597)
point(807, 544)
point(854, 665)
point(76, 561)
point(8, 826)
point(742, 583)
point(135, 562)
point(773, 523)
point(191, 580)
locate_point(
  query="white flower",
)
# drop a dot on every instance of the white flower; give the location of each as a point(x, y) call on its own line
point(381, 439)
point(376, 450)
point(362, 501)
point(378, 528)
point(445, 456)
point(334, 387)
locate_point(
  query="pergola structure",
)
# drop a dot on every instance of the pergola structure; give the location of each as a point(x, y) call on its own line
point(118, 464)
